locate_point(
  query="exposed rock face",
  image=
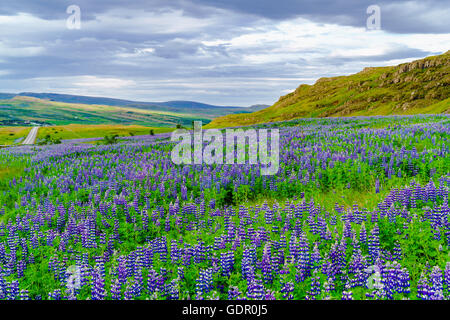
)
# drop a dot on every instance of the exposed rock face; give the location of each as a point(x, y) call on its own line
point(419, 65)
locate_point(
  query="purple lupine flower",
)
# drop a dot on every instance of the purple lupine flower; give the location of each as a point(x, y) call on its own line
point(436, 284)
point(347, 294)
point(423, 288)
point(404, 282)
point(226, 263)
point(129, 293)
point(329, 285)
point(446, 278)
point(316, 258)
point(315, 290)
point(266, 265)
point(269, 295)
point(152, 279)
point(303, 261)
point(116, 290)
point(98, 286)
point(24, 295)
point(173, 291)
point(55, 295)
point(397, 251)
point(287, 289)
point(255, 290)
point(233, 293)
point(204, 282)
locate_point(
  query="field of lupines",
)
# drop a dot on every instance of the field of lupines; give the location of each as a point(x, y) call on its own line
point(358, 210)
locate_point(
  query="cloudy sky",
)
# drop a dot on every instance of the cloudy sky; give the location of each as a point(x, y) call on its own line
point(225, 52)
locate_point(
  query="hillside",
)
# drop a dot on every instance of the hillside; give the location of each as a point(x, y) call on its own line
point(421, 86)
point(163, 106)
point(60, 113)
point(59, 109)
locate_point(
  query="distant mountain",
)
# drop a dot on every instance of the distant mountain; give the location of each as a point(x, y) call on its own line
point(55, 108)
point(257, 107)
point(6, 95)
point(421, 86)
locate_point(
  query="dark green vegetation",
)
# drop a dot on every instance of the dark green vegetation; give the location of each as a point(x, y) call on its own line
point(48, 140)
point(110, 139)
point(419, 87)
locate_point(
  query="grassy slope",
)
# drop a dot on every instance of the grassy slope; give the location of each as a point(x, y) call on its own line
point(10, 134)
point(422, 86)
point(60, 113)
point(77, 131)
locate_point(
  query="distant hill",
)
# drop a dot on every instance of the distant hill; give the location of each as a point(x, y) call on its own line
point(65, 109)
point(118, 102)
point(7, 95)
point(421, 86)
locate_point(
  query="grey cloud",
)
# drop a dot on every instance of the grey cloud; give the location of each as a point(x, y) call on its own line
point(401, 16)
point(181, 66)
point(395, 53)
point(175, 48)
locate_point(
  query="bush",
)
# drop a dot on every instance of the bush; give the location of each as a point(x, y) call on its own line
point(48, 140)
point(110, 139)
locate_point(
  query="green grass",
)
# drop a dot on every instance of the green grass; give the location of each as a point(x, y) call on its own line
point(8, 135)
point(77, 131)
point(7, 172)
point(10, 170)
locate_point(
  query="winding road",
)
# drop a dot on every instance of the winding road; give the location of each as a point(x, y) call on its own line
point(31, 138)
